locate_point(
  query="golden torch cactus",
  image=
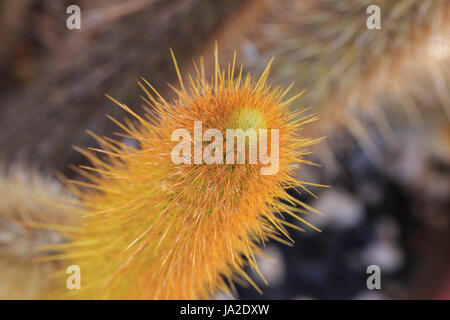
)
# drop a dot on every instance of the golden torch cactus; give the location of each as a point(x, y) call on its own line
point(29, 201)
point(154, 229)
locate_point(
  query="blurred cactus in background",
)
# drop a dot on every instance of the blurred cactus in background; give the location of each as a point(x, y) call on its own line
point(54, 79)
point(355, 76)
point(29, 202)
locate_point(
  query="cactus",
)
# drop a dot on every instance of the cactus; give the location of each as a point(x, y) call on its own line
point(29, 202)
point(157, 230)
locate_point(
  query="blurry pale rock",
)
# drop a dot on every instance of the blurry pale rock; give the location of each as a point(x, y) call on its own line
point(424, 160)
point(222, 296)
point(415, 147)
point(370, 295)
point(385, 254)
point(302, 298)
point(131, 143)
point(340, 209)
point(27, 201)
point(435, 174)
point(370, 192)
point(386, 228)
point(272, 266)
